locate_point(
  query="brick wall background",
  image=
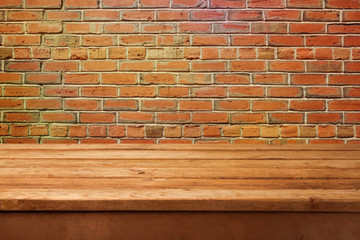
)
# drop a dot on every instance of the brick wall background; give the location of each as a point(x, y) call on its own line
point(180, 71)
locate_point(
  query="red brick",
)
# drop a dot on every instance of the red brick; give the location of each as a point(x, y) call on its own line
point(208, 15)
point(17, 66)
point(98, 141)
point(63, 16)
point(19, 130)
point(307, 28)
point(136, 117)
point(191, 27)
point(6, 28)
point(100, 41)
point(245, 40)
point(269, 28)
point(68, 66)
point(248, 66)
point(270, 78)
point(82, 28)
point(172, 66)
point(158, 105)
point(137, 91)
point(344, 105)
point(158, 78)
point(248, 118)
point(10, 77)
point(43, 104)
point(121, 105)
point(342, 4)
point(189, 3)
point(173, 117)
point(191, 105)
point(210, 117)
point(321, 16)
point(135, 131)
point(344, 28)
point(353, 118)
point(81, 4)
point(97, 117)
point(104, 15)
point(232, 79)
point(351, 16)
point(283, 15)
point(6, 103)
point(352, 67)
point(99, 66)
point(46, 27)
point(323, 92)
point(324, 118)
point(227, 105)
point(344, 79)
point(289, 131)
point(43, 3)
point(81, 78)
point(100, 91)
point(39, 130)
point(231, 27)
point(287, 66)
point(352, 92)
point(152, 3)
point(307, 105)
point(10, 3)
point(61, 91)
point(117, 131)
point(286, 118)
point(138, 66)
point(304, 3)
point(266, 3)
point(286, 41)
point(120, 28)
point(246, 91)
point(78, 104)
point(326, 131)
point(58, 117)
point(118, 4)
point(209, 40)
point(22, 91)
point(97, 131)
point(174, 92)
point(118, 78)
point(242, 15)
point(172, 15)
point(211, 131)
point(208, 66)
point(27, 117)
point(20, 40)
point(269, 105)
point(323, 41)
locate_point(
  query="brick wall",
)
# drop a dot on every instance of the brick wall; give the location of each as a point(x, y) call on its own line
point(180, 71)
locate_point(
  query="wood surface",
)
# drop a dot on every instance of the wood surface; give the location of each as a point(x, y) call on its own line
point(179, 226)
point(289, 178)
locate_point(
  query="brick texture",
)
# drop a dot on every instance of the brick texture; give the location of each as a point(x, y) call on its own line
point(179, 71)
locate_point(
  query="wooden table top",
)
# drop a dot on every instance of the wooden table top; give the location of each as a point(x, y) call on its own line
point(306, 178)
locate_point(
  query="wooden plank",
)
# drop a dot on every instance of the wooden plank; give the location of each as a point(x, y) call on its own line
point(206, 173)
point(179, 155)
point(179, 226)
point(165, 163)
point(125, 183)
point(318, 200)
point(181, 147)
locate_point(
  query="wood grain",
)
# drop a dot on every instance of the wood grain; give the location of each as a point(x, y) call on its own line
point(96, 177)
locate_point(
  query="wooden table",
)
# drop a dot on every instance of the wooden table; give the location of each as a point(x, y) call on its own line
point(180, 192)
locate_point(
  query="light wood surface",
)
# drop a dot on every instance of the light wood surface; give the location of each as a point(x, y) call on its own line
point(292, 178)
